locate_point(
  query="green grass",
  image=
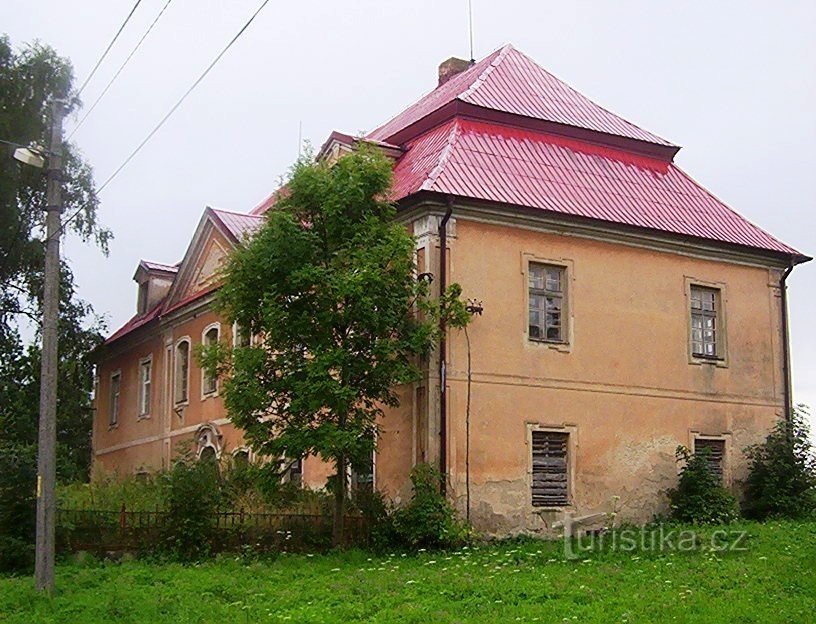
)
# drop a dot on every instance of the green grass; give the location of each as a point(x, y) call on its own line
point(773, 580)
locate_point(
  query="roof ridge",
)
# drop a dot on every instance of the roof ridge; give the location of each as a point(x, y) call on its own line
point(234, 212)
point(482, 78)
point(453, 136)
point(589, 99)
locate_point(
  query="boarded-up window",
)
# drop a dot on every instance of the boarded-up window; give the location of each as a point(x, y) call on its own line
point(715, 454)
point(550, 482)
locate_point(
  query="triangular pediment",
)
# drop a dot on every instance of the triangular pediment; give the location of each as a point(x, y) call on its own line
point(202, 264)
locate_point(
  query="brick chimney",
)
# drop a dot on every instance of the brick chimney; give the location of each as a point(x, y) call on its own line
point(448, 69)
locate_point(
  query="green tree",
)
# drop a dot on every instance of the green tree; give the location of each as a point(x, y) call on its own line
point(699, 497)
point(29, 80)
point(782, 475)
point(329, 285)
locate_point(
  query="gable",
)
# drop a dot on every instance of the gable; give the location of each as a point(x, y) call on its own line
point(205, 271)
point(205, 256)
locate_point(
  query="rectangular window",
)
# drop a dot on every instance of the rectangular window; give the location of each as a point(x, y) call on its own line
point(362, 475)
point(115, 389)
point(547, 285)
point(296, 472)
point(241, 336)
point(550, 485)
point(209, 383)
point(145, 372)
point(182, 370)
point(706, 341)
point(715, 450)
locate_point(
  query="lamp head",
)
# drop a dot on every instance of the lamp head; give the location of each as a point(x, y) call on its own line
point(30, 156)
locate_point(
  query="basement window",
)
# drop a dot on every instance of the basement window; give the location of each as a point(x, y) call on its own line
point(714, 449)
point(547, 297)
point(550, 484)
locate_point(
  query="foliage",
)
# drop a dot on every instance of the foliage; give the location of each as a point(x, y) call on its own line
point(18, 470)
point(773, 580)
point(193, 496)
point(328, 285)
point(699, 497)
point(29, 80)
point(110, 492)
point(428, 520)
point(782, 476)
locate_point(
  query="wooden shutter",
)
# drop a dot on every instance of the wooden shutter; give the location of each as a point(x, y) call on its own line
point(549, 488)
point(715, 457)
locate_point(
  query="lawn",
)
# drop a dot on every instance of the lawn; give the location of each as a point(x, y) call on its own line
point(772, 580)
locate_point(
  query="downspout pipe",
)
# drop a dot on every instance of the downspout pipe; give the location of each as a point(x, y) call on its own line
point(786, 355)
point(443, 331)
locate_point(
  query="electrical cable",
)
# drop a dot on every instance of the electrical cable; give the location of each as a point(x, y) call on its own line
point(110, 45)
point(169, 113)
point(119, 71)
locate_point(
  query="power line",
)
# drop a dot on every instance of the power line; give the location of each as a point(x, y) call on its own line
point(170, 112)
point(119, 71)
point(110, 45)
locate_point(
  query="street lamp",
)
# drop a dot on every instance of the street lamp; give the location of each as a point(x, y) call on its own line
point(33, 155)
point(36, 156)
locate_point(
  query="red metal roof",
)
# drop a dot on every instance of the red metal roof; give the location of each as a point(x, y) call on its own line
point(159, 266)
point(522, 167)
point(510, 82)
point(238, 224)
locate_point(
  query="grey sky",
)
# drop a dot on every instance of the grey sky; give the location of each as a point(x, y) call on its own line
point(732, 82)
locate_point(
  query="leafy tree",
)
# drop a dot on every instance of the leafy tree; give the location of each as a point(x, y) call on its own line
point(328, 284)
point(29, 80)
point(699, 497)
point(782, 477)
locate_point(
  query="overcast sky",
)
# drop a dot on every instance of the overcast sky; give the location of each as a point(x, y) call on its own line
point(734, 83)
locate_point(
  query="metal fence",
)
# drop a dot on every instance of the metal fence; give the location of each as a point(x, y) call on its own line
point(105, 530)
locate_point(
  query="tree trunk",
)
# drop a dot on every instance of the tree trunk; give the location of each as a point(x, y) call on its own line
point(339, 502)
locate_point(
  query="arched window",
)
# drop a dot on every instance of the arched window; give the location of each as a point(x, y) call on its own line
point(240, 458)
point(207, 454)
point(182, 371)
point(209, 383)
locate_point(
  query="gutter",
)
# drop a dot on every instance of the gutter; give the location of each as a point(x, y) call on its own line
point(443, 380)
point(786, 355)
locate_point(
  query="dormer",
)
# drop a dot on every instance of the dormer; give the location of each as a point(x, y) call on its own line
point(154, 282)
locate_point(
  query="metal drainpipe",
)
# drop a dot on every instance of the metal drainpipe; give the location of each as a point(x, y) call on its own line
point(783, 288)
point(443, 381)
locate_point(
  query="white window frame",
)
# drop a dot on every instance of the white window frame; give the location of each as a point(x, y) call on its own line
point(236, 332)
point(176, 381)
point(113, 414)
point(144, 407)
point(205, 394)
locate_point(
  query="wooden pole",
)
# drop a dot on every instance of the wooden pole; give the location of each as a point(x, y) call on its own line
point(47, 436)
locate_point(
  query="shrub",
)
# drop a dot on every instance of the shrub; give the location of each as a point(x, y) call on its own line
point(699, 497)
point(428, 520)
point(782, 474)
point(18, 478)
point(193, 496)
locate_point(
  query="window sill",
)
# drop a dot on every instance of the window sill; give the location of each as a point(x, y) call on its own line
point(209, 395)
point(143, 417)
point(112, 427)
point(701, 360)
point(556, 345)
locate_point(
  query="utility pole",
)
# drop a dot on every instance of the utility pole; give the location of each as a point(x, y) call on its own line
point(47, 438)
